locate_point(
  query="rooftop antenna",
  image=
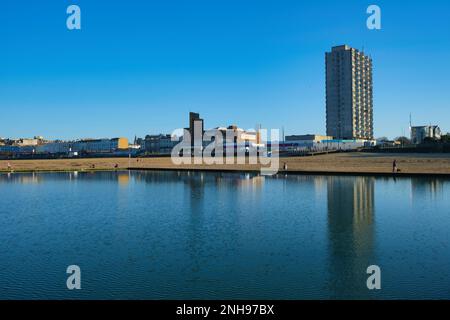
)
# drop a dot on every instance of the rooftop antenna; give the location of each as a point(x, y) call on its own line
point(410, 125)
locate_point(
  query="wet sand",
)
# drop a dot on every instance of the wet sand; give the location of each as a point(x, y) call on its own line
point(330, 163)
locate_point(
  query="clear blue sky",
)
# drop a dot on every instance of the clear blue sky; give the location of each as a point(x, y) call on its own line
point(139, 67)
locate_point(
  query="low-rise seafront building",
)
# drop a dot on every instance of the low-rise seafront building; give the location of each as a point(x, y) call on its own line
point(315, 142)
point(86, 146)
point(308, 138)
point(113, 146)
point(8, 149)
point(234, 139)
point(235, 135)
point(159, 143)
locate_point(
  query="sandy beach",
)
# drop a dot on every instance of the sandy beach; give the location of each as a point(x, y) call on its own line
point(335, 163)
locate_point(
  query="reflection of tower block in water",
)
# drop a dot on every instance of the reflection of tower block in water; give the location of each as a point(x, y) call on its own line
point(351, 232)
point(351, 201)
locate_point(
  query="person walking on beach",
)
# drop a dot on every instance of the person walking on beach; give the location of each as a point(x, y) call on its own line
point(285, 167)
point(394, 166)
point(9, 166)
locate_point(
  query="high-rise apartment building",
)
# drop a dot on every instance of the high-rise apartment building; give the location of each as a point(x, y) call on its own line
point(349, 94)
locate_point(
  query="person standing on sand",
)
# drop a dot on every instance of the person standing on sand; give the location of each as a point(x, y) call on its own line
point(285, 167)
point(9, 166)
point(394, 166)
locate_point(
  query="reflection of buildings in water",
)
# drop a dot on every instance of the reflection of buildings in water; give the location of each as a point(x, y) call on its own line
point(320, 183)
point(426, 187)
point(351, 204)
point(350, 233)
point(202, 179)
point(21, 177)
point(363, 205)
point(123, 178)
point(317, 183)
point(245, 181)
point(73, 175)
point(251, 182)
point(219, 192)
point(316, 180)
point(31, 178)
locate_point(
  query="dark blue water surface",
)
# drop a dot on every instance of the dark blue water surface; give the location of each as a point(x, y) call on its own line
point(173, 235)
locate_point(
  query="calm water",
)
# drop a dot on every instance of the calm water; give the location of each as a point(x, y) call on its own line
point(169, 235)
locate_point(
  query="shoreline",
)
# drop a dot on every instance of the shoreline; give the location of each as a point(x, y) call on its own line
point(303, 173)
point(349, 164)
point(245, 171)
point(241, 171)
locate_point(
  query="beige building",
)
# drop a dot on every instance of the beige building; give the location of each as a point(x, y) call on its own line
point(27, 142)
point(349, 94)
point(233, 134)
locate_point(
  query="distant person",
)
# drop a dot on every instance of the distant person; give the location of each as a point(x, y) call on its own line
point(9, 166)
point(285, 167)
point(394, 166)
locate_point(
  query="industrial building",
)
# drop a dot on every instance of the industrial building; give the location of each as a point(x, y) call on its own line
point(420, 133)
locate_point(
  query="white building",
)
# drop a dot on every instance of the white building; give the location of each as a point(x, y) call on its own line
point(88, 146)
point(420, 133)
